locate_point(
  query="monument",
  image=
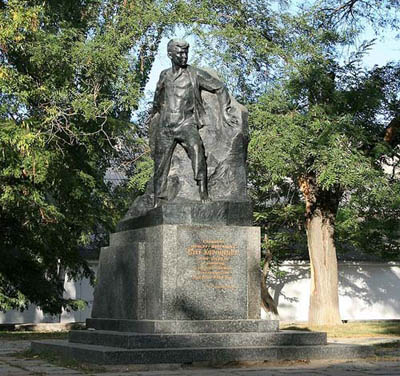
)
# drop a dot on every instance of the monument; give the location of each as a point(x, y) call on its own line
point(186, 250)
point(180, 281)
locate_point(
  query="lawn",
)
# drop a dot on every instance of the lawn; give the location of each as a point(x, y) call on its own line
point(346, 330)
point(31, 336)
point(352, 329)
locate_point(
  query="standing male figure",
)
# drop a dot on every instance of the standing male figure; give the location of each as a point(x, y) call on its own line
point(180, 114)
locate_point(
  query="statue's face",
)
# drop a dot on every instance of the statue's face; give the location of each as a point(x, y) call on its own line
point(179, 55)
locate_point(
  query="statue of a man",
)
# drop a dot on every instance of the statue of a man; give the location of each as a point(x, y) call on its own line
point(179, 114)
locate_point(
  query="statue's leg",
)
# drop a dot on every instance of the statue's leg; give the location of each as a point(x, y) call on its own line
point(193, 144)
point(164, 147)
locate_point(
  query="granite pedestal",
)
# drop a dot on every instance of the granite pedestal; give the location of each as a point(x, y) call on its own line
point(182, 284)
point(180, 272)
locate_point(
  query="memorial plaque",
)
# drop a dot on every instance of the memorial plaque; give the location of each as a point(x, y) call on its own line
point(213, 263)
point(212, 277)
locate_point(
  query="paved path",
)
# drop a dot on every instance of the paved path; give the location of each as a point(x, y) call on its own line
point(12, 364)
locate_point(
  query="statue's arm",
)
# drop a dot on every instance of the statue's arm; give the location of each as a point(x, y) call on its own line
point(156, 99)
point(152, 119)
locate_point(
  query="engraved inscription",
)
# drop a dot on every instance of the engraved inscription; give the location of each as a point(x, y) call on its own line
point(213, 263)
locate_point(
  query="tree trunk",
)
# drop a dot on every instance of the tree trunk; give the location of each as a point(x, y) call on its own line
point(324, 297)
point(391, 132)
point(267, 302)
point(321, 210)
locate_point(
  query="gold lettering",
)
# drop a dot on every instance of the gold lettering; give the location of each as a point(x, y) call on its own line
point(213, 257)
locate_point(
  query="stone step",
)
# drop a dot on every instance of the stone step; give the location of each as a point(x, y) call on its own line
point(140, 340)
point(220, 355)
point(183, 326)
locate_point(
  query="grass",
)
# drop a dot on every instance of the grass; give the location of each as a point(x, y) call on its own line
point(353, 329)
point(31, 336)
point(348, 330)
point(388, 345)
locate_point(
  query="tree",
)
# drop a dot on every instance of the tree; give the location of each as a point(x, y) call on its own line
point(378, 14)
point(318, 132)
point(71, 74)
point(322, 128)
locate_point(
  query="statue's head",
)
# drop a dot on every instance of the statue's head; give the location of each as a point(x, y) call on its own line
point(178, 50)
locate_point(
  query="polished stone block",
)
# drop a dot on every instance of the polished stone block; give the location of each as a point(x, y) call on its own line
point(180, 272)
point(183, 293)
point(227, 213)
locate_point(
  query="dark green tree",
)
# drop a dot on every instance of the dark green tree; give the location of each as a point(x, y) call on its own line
point(321, 131)
point(71, 73)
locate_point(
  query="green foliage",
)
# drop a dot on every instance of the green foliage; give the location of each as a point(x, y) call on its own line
point(144, 172)
point(315, 113)
point(71, 73)
point(378, 14)
point(243, 41)
point(326, 120)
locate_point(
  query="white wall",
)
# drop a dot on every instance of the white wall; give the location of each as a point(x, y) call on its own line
point(367, 291)
point(73, 289)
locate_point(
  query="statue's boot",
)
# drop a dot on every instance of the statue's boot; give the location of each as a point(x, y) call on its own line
point(203, 190)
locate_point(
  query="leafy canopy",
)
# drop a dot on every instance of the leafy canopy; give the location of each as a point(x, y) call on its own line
point(71, 73)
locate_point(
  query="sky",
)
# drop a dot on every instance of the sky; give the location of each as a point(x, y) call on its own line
point(385, 49)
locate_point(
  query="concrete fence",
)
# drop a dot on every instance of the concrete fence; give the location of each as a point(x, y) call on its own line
point(368, 291)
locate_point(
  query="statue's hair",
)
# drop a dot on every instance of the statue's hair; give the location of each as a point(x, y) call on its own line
point(177, 42)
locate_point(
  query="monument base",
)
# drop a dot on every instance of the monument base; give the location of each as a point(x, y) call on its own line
point(180, 272)
point(181, 285)
point(188, 341)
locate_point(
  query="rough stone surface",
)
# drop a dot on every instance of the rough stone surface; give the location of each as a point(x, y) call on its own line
point(118, 291)
point(179, 272)
point(385, 361)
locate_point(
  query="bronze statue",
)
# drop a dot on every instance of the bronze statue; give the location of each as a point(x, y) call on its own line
point(178, 114)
